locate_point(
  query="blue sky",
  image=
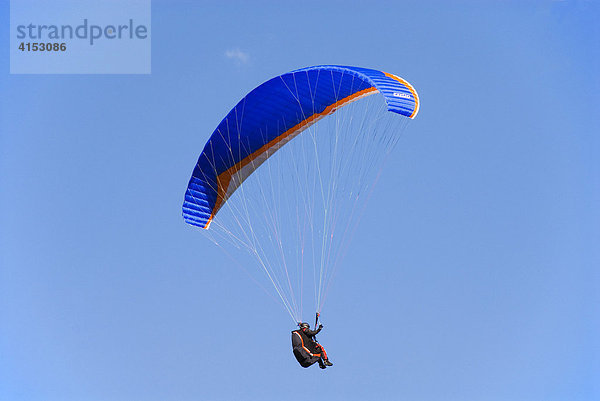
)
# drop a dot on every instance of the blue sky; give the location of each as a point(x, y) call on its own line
point(474, 277)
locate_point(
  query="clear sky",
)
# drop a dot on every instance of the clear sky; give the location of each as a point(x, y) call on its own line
point(475, 277)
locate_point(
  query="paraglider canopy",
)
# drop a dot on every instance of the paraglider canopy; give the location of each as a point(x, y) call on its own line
point(272, 115)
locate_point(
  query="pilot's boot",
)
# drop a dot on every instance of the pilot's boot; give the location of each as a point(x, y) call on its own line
point(327, 363)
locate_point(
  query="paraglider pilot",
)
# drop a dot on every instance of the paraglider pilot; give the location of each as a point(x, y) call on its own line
point(306, 349)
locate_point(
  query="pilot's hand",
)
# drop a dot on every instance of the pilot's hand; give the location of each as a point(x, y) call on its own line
point(320, 326)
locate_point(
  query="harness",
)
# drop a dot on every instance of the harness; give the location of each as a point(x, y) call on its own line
point(303, 346)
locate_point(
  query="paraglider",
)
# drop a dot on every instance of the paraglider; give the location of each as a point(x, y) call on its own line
point(323, 134)
point(306, 348)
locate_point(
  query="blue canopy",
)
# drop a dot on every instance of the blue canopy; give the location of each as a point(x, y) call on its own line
point(270, 116)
